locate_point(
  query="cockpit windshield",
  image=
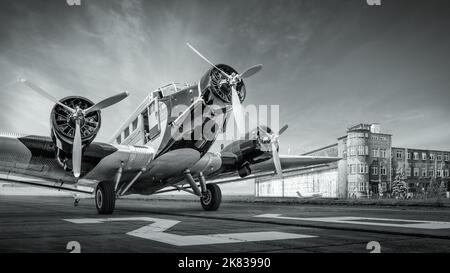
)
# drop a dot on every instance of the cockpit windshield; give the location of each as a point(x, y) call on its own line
point(172, 88)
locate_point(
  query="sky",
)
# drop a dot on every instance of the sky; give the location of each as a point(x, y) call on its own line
point(327, 64)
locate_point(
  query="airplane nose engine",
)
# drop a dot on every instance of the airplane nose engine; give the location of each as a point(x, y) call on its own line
point(214, 82)
point(227, 84)
point(63, 123)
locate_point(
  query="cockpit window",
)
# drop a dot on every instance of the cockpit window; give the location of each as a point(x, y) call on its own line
point(135, 124)
point(172, 88)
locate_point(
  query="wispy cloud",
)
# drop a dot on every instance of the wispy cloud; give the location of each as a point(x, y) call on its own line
point(327, 64)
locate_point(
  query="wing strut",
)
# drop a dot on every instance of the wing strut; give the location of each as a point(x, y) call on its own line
point(135, 178)
point(118, 177)
point(191, 181)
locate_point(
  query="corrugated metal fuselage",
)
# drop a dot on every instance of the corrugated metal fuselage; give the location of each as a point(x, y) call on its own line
point(32, 159)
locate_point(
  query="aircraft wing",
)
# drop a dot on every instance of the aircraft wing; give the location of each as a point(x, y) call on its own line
point(32, 160)
point(292, 162)
point(81, 187)
point(289, 164)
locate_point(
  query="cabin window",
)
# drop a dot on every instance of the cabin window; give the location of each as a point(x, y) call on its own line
point(153, 120)
point(126, 132)
point(152, 107)
point(118, 139)
point(145, 121)
point(135, 124)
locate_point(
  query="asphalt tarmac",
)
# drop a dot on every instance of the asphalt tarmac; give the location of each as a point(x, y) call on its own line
point(53, 224)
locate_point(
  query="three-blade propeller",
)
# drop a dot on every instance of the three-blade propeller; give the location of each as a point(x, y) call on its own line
point(275, 143)
point(78, 115)
point(233, 80)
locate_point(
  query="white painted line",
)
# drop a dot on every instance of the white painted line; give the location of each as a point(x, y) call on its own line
point(365, 221)
point(156, 232)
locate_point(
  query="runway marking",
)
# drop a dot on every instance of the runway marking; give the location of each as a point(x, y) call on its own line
point(156, 232)
point(367, 221)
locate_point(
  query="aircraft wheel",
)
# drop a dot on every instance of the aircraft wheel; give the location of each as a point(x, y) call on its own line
point(105, 199)
point(211, 200)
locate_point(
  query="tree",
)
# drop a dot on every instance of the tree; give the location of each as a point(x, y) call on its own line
point(399, 186)
point(437, 188)
point(443, 189)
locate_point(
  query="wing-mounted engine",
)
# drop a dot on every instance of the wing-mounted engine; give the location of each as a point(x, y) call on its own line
point(261, 144)
point(75, 122)
point(63, 127)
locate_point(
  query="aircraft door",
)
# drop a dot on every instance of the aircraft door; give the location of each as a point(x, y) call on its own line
point(152, 129)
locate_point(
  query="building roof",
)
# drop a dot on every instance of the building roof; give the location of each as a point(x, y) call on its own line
point(425, 150)
point(320, 149)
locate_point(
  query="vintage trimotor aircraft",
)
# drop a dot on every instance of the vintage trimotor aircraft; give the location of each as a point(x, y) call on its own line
point(154, 151)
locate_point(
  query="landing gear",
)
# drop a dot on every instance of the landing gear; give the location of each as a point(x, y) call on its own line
point(210, 194)
point(211, 198)
point(105, 198)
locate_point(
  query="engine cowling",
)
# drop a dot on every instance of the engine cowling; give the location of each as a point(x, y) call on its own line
point(245, 170)
point(213, 82)
point(208, 164)
point(241, 155)
point(63, 123)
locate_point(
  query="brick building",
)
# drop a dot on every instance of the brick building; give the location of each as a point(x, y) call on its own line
point(368, 166)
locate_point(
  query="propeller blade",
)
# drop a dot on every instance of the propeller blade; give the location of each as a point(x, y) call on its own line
point(251, 71)
point(206, 60)
point(237, 111)
point(284, 128)
point(276, 159)
point(260, 128)
point(76, 150)
point(45, 94)
point(106, 102)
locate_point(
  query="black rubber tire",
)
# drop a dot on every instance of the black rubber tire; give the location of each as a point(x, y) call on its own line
point(214, 198)
point(107, 203)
